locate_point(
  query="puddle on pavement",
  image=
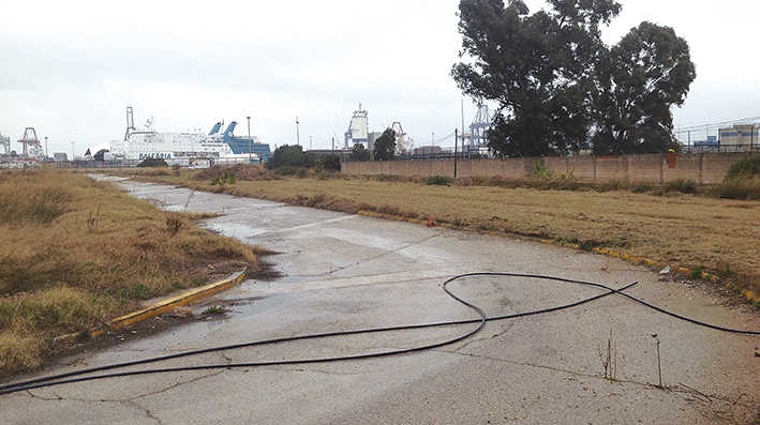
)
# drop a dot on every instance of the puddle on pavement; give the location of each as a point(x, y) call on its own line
point(237, 231)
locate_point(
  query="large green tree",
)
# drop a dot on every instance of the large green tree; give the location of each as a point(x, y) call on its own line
point(385, 146)
point(639, 81)
point(536, 67)
point(360, 153)
point(290, 156)
point(549, 72)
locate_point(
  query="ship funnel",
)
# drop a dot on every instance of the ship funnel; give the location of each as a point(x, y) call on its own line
point(215, 129)
point(229, 133)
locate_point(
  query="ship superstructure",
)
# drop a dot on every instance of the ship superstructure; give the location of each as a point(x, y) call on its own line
point(185, 147)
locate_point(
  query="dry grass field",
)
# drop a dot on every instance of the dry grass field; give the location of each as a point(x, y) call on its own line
point(75, 253)
point(697, 232)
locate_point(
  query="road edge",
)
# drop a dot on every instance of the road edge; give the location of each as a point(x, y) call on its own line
point(168, 304)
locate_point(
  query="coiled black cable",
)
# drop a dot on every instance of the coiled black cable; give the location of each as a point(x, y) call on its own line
point(86, 374)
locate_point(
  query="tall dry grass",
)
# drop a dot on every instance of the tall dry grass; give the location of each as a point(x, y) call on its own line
point(75, 253)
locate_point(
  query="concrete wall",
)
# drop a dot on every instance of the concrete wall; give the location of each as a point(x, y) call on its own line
point(703, 168)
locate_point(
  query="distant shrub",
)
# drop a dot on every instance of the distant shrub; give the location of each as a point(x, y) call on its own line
point(641, 187)
point(439, 181)
point(612, 185)
point(286, 171)
point(290, 156)
point(331, 162)
point(223, 179)
point(540, 171)
point(152, 162)
point(174, 223)
point(747, 167)
point(683, 186)
point(742, 180)
point(739, 188)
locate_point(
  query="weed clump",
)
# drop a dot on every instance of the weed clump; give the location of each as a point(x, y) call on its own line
point(742, 180)
point(224, 178)
point(748, 167)
point(174, 223)
point(682, 186)
point(439, 181)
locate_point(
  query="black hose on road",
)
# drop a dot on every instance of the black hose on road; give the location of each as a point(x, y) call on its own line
point(86, 374)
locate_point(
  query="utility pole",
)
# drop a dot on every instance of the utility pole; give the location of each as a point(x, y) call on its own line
point(72, 151)
point(333, 144)
point(310, 139)
point(462, 125)
point(298, 133)
point(47, 154)
point(250, 141)
point(456, 142)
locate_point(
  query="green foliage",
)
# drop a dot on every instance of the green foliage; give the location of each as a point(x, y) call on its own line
point(152, 162)
point(385, 146)
point(557, 85)
point(742, 188)
point(289, 156)
point(748, 167)
point(214, 310)
point(138, 291)
point(224, 178)
point(331, 162)
point(742, 180)
point(540, 171)
point(682, 186)
point(638, 82)
point(360, 153)
point(439, 181)
point(696, 274)
point(285, 171)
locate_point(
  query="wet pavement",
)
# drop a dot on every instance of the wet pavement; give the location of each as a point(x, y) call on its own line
point(345, 272)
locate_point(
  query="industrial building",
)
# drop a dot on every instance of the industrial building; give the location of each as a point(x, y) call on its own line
point(358, 129)
point(739, 135)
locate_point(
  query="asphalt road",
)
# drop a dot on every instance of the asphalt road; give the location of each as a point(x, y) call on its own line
point(344, 272)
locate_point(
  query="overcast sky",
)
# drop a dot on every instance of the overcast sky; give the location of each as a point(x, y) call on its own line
point(70, 68)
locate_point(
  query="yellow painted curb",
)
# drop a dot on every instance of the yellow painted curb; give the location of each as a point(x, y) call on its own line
point(168, 304)
point(751, 295)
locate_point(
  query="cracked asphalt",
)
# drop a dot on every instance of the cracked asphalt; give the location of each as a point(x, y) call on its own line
point(344, 272)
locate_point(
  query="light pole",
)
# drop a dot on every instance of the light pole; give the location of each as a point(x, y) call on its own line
point(298, 133)
point(250, 141)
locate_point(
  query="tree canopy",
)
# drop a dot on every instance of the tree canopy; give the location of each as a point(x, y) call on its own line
point(559, 88)
point(385, 146)
point(360, 153)
point(289, 156)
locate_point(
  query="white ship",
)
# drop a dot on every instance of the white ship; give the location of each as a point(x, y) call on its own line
point(180, 148)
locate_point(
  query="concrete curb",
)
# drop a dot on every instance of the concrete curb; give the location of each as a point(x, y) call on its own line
point(168, 304)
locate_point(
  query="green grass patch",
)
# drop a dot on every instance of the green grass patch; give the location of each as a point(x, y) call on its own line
point(438, 181)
